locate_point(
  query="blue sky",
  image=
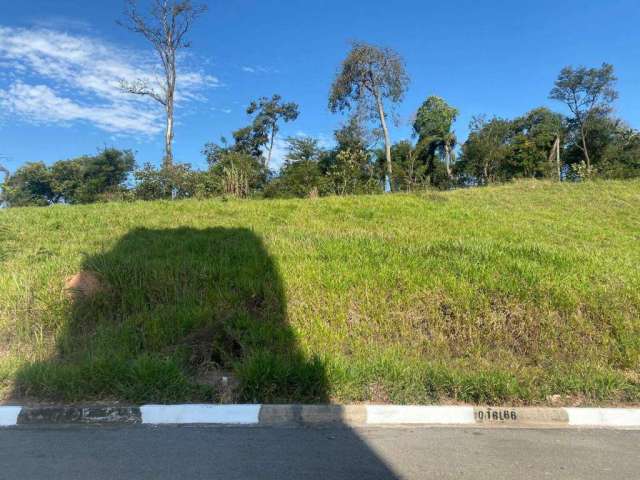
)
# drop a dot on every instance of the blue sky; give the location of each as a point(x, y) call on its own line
point(60, 62)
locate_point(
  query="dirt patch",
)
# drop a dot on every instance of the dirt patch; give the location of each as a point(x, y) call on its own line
point(83, 285)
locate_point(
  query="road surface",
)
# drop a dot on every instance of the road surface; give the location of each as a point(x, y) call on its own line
point(194, 452)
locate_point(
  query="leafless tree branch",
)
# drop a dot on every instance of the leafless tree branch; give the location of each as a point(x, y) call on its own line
point(141, 87)
point(165, 27)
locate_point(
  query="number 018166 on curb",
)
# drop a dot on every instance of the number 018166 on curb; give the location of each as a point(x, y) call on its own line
point(491, 415)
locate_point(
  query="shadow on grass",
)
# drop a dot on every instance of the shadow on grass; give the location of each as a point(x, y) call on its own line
point(179, 311)
point(184, 315)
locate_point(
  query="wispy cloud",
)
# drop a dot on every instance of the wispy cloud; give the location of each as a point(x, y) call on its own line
point(224, 110)
point(47, 76)
point(40, 104)
point(61, 22)
point(258, 69)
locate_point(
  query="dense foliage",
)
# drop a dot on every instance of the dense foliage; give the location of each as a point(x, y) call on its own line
point(80, 180)
point(540, 144)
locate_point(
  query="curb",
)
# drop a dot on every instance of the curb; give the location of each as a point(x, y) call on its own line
point(67, 415)
point(348, 415)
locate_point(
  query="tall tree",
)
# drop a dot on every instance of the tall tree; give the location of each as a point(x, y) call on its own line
point(165, 26)
point(249, 141)
point(587, 92)
point(268, 113)
point(487, 149)
point(434, 127)
point(536, 144)
point(370, 76)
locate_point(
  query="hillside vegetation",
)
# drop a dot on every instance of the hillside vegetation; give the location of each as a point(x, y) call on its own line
point(513, 294)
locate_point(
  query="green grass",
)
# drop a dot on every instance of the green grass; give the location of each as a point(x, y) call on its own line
point(493, 295)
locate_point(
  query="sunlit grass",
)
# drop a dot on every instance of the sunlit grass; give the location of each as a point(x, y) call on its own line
point(503, 294)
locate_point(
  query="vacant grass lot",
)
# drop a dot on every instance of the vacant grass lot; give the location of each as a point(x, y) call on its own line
point(504, 294)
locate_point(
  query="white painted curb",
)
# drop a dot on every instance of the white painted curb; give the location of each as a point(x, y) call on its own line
point(194, 414)
point(352, 415)
point(604, 417)
point(9, 416)
point(392, 414)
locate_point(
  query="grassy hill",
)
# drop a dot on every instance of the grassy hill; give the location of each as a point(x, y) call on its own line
point(504, 294)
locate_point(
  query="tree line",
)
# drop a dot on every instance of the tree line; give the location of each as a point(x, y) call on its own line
point(590, 142)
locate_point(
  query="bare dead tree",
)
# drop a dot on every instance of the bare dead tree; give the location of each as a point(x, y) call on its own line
point(554, 156)
point(165, 26)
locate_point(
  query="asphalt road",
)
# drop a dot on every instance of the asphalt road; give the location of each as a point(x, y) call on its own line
point(141, 452)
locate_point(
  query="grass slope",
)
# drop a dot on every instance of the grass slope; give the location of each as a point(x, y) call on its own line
point(502, 294)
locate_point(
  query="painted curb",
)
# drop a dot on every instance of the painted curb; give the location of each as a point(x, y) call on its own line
point(351, 415)
point(9, 416)
point(419, 415)
point(348, 415)
point(526, 416)
point(200, 414)
point(87, 415)
point(603, 417)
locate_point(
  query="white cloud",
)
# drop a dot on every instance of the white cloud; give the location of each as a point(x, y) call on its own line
point(58, 77)
point(279, 153)
point(40, 104)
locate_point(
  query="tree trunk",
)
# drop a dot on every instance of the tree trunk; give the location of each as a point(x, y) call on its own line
point(584, 147)
point(387, 140)
point(447, 156)
point(168, 138)
point(273, 137)
point(411, 170)
point(554, 157)
point(558, 159)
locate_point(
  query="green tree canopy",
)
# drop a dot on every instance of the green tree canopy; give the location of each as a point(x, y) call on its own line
point(30, 185)
point(486, 149)
point(533, 137)
point(300, 176)
point(269, 112)
point(588, 93)
point(409, 170)
point(79, 180)
point(434, 128)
